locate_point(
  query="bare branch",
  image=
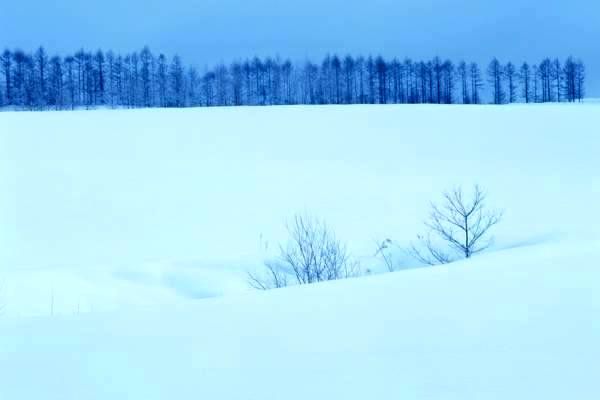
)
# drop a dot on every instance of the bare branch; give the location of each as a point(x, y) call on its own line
point(462, 223)
point(275, 278)
point(312, 254)
point(428, 253)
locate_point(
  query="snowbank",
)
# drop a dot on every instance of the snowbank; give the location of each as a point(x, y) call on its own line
point(517, 324)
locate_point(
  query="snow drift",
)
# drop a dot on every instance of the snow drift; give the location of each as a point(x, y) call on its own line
point(518, 324)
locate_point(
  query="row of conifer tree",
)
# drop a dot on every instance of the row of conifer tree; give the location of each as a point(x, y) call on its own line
point(39, 81)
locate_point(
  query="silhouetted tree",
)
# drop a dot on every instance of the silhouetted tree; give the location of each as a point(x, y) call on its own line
point(41, 66)
point(464, 82)
point(511, 79)
point(100, 78)
point(70, 83)
point(56, 83)
point(147, 66)
point(579, 80)
point(371, 79)
point(6, 66)
point(176, 98)
point(495, 75)
point(536, 79)
point(448, 75)
point(556, 73)
point(545, 75)
point(381, 68)
point(525, 78)
point(161, 80)
point(476, 83)
point(139, 79)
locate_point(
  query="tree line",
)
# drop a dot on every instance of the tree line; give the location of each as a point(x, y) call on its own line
point(39, 81)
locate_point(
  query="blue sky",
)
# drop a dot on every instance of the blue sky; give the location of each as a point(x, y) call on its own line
point(207, 31)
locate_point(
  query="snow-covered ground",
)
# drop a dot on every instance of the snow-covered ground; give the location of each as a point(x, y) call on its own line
point(518, 324)
point(114, 225)
point(101, 209)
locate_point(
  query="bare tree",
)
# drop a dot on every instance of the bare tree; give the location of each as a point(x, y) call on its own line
point(525, 78)
point(41, 66)
point(476, 83)
point(459, 227)
point(56, 84)
point(495, 76)
point(348, 73)
point(579, 80)
point(176, 83)
point(6, 66)
point(510, 72)
point(536, 81)
point(139, 79)
point(463, 74)
point(556, 73)
point(312, 254)
point(545, 71)
point(146, 60)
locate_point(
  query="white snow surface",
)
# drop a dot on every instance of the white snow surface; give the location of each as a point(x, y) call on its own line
point(116, 227)
point(518, 324)
point(103, 209)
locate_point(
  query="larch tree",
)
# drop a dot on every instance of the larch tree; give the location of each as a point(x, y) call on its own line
point(55, 87)
point(147, 62)
point(495, 76)
point(464, 82)
point(381, 70)
point(510, 73)
point(556, 73)
point(176, 84)
point(579, 80)
point(138, 79)
point(525, 79)
point(41, 66)
point(476, 83)
point(6, 67)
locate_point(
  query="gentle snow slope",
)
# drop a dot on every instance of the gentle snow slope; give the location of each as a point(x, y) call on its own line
point(105, 209)
point(518, 324)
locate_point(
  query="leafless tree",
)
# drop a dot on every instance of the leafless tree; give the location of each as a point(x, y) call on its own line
point(525, 76)
point(139, 79)
point(458, 227)
point(463, 74)
point(495, 77)
point(476, 82)
point(312, 254)
point(510, 73)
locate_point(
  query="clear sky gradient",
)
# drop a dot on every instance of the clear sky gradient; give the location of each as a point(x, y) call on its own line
point(207, 31)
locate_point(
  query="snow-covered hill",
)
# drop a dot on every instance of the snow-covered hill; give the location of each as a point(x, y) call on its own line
point(104, 209)
point(116, 225)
